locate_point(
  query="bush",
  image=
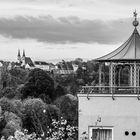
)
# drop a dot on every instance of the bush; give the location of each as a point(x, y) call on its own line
point(6, 105)
point(13, 123)
point(36, 115)
point(59, 130)
point(9, 116)
point(10, 106)
point(6, 132)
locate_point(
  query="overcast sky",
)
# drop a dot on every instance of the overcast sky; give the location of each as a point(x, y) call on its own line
point(58, 29)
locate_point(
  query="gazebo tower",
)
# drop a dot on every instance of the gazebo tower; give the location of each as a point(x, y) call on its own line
point(126, 56)
point(111, 111)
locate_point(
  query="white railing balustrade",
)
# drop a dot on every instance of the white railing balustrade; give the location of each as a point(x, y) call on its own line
point(109, 90)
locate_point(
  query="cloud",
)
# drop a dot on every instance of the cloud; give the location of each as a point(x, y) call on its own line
point(84, 9)
point(46, 51)
point(66, 29)
point(124, 2)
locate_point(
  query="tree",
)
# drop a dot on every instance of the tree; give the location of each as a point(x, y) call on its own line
point(38, 115)
point(80, 73)
point(18, 76)
point(9, 92)
point(67, 85)
point(59, 91)
point(38, 82)
point(68, 105)
point(5, 78)
point(10, 118)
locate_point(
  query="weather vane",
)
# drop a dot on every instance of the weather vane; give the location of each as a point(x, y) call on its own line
point(135, 22)
point(135, 14)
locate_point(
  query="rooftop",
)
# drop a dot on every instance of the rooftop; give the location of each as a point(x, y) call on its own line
point(128, 51)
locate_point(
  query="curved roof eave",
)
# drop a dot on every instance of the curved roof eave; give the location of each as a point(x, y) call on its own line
point(129, 51)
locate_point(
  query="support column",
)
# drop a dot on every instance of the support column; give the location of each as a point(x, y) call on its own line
point(135, 77)
point(100, 74)
point(119, 76)
point(131, 76)
point(112, 77)
point(100, 77)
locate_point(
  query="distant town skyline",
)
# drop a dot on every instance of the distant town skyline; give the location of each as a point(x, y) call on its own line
point(61, 29)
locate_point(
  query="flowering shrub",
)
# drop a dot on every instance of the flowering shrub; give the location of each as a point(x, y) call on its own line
point(61, 130)
point(58, 130)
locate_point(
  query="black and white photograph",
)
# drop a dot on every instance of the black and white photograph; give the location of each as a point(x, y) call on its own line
point(69, 70)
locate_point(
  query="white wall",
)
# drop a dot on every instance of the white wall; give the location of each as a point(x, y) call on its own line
point(122, 114)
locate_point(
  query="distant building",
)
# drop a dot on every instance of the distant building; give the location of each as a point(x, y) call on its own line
point(42, 65)
point(75, 67)
point(64, 68)
point(52, 67)
point(24, 61)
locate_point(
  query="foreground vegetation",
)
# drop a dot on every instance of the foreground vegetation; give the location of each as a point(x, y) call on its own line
point(43, 103)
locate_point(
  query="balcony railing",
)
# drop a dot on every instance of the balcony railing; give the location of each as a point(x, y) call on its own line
point(109, 90)
point(113, 91)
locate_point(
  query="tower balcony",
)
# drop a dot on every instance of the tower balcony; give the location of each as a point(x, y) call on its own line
point(110, 91)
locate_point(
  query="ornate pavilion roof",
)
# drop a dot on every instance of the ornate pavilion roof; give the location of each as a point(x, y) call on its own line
point(129, 51)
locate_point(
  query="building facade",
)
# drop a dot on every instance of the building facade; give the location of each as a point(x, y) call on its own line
point(112, 112)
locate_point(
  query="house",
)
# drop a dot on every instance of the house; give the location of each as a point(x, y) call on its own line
point(42, 65)
point(112, 112)
point(63, 68)
point(75, 67)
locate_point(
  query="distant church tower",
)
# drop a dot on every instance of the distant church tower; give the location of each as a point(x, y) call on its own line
point(23, 58)
point(19, 56)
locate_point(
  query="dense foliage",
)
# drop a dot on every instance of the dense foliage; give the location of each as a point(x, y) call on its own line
point(42, 102)
point(38, 83)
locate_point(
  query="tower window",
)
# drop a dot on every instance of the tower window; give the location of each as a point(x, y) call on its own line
point(101, 133)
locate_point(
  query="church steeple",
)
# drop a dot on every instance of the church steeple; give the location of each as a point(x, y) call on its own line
point(23, 58)
point(18, 53)
point(23, 53)
point(18, 56)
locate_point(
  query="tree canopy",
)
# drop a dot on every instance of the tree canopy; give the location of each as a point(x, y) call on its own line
point(38, 82)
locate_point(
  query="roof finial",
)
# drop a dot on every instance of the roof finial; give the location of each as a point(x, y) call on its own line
point(135, 14)
point(135, 22)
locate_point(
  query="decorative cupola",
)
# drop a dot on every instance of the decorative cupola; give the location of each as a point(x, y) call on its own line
point(125, 58)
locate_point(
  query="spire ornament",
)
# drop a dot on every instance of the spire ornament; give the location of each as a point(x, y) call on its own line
point(135, 14)
point(135, 22)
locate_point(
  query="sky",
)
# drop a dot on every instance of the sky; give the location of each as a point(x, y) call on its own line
point(64, 29)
